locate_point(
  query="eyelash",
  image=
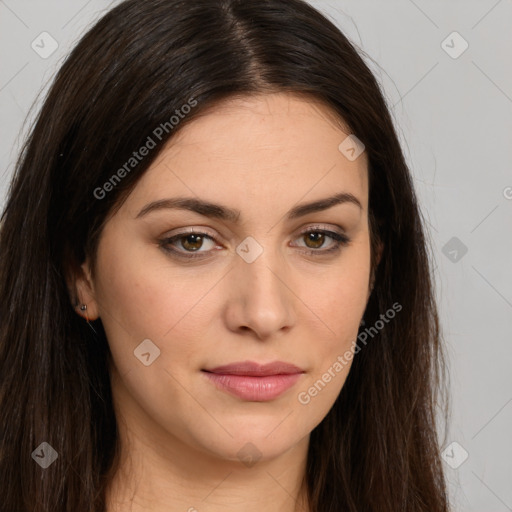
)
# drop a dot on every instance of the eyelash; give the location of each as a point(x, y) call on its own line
point(342, 241)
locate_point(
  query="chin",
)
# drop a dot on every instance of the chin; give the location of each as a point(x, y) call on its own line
point(256, 440)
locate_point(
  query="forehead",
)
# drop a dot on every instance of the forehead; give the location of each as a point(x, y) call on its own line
point(257, 152)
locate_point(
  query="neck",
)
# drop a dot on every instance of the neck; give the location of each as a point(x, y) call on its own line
point(149, 478)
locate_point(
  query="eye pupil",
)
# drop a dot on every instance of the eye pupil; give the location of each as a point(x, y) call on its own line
point(315, 237)
point(196, 239)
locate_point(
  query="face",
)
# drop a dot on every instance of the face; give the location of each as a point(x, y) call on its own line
point(184, 290)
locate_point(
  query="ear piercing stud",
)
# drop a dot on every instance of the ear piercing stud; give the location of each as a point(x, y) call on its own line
point(83, 307)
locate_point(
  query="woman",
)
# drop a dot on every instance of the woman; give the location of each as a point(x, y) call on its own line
point(215, 286)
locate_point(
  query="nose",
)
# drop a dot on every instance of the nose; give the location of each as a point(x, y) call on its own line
point(261, 297)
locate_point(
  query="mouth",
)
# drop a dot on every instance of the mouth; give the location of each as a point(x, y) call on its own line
point(252, 369)
point(254, 382)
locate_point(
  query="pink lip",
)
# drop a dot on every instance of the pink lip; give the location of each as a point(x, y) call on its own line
point(255, 382)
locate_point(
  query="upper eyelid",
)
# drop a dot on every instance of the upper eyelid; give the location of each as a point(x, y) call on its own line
point(202, 230)
point(307, 229)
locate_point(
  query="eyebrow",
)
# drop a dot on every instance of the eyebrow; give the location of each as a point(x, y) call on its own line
point(221, 212)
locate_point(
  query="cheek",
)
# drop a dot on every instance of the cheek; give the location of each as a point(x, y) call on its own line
point(141, 296)
point(128, 293)
point(338, 302)
point(337, 296)
point(339, 314)
point(340, 310)
point(344, 306)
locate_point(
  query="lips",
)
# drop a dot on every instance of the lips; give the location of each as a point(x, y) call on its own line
point(253, 369)
point(254, 382)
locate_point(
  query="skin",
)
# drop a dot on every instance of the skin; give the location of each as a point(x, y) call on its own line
point(181, 435)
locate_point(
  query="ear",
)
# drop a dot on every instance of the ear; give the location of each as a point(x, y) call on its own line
point(83, 293)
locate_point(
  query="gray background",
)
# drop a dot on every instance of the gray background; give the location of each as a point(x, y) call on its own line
point(454, 116)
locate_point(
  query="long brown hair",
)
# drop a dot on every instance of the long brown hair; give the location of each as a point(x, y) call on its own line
point(377, 448)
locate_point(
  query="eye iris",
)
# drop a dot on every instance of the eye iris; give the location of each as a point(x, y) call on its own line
point(196, 239)
point(316, 238)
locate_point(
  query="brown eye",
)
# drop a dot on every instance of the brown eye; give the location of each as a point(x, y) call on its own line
point(184, 245)
point(314, 239)
point(192, 242)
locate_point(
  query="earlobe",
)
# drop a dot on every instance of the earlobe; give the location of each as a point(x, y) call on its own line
point(85, 304)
